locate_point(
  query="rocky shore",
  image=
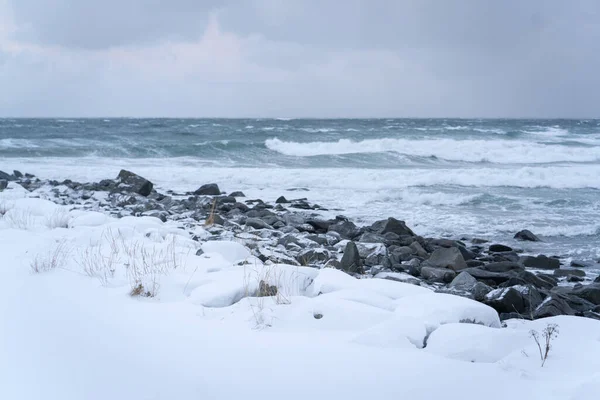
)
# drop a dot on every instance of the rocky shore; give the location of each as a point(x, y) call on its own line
point(291, 230)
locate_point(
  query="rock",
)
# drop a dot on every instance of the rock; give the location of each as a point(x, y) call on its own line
point(506, 256)
point(467, 255)
point(282, 200)
point(540, 262)
point(399, 254)
point(3, 184)
point(518, 299)
point(591, 314)
point(209, 189)
point(480, 290)
point(6, 177)
point(503, 266)
point(135, 183)
point(319, 225)
point(237, 194)
point(441, 275)
point(495, 277)
point(313, 256)
point(589, 292)
point(559, 273)
point(581, 264)
point(418, 249)
point(441, 242)
point(257, 223)
point(526, 235)
point(351, 261)
point(447, 258)
point(392, 225)
point(478, 241)
point(499, 248)
point(597, 280)
point(475, 263)
point(552, 306)
point(199, 252)
point(346, 229)
point(463, 281)
point(370, 237)
point(18, 174)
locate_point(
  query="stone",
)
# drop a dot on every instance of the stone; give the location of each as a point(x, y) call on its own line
point(540, 262)
point(591, 314)
point(399, 254)
point(370, 237)
point(442, 275)
point(209, 189)
point(463, 281)
point(526, 235)
point(495, 277)
point(479, 241)
point(313, 256)
point(282, 200)
point(237, 194)
point(581, 264)
point(346, 229)
point(502, 266)
point(480, 290)
point(199, 252)
point(505, 256)
point(499, 248)
point(257, 223)
point(560, 273)
point(319, 225)
point(467, 255)
point(3, 184)
point(266, 290)
point(135, 183)
point(518, 299)
point(418, 249)
point(392, 225)
point(552, 306)
point(6, 177)
point(589, 292)
point(18, 174)
point(447, 258)
point(351, 261)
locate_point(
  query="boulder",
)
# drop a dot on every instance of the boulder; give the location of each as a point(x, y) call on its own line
point(442, 275)
point(135, 183)
point(209, 189)
point(444, 257)
point(6, 177)
point(560, 273)
point(257, 223)
point(526, 235)
point(552, 306)
point(319, 225)
point(502, 266)
point(506, 300)
point(540, 262)
point(370, 237)
point(346, 229)
point(589, 292)
point(495, 277)
point(351, 261)
point(237, 194)
point(499, 248)
point(581, 264)
point(463, 281)
point(480, 290)
point(399, 254)
point(418, 249)
point(3, 184)
point(282, 200)
point(505, 256)
point(313, 256)
point(392, 225)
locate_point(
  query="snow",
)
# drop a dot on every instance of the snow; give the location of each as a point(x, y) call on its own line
point(73, 331)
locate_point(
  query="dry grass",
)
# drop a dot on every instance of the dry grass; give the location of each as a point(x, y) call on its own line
point(210, 221)
point(54, 259)
point(58, 219)
point(19, 219)
point(549, 333)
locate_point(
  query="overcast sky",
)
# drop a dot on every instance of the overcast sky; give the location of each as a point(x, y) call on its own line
point(293, 58)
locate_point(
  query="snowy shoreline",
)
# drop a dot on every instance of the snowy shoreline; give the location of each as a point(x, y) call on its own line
point(242, 282)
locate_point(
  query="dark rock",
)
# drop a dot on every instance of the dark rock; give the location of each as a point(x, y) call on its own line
point(399, 254)
point(467, 255)
point(506, 300)
point(540, 262)
point(6, 177)
point(581, 264)
point(346, 229)
point(441, 275)
point(319, 225)
point(392, 225)
point(370, 237)
point(257, 223)
point(483, 275)
point(463, 281)
point(559, 273)
point(526, 235)
point(511, 315)
point(351, 261)
point(589, 292)
point(475, 263)
point(499, 248)
point(242, 207)
point(418, 249)
point(540, 281)
point(551, 307)
point(282, 200)
point(313, 256)
point(442, 242)
point(597, 280)
point(480, 290)
point(19, 174)
point(226, 200)
point(135, 183)
point(301, 204)
point(237, 194)
point(503, 266)
point(209, 189)
point(478, 241)
point(3, 184)
point(591, 314)
point(447, 258)
point(199, 252)
point(506, 256)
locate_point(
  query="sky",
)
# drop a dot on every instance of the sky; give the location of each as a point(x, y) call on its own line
point(300, 58)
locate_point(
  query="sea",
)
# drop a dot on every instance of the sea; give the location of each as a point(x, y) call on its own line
point(455, 178)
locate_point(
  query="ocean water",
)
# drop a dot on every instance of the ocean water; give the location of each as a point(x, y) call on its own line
point(445, 177)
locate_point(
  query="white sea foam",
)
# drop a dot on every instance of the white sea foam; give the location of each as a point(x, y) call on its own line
point(496, 151)
point(11, 143)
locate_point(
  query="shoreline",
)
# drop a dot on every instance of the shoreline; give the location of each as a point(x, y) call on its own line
point(291, 231)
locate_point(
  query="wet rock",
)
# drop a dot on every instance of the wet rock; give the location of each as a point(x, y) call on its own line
point(503, 266)
point(480, 290)
point(209, 189)
point(447, 258)
point(552, 306)
point(487, 276)
point(346, 229)
point(520, 299)
point(442, 275)
point(479, 241)
point(540, 262)
point(237, 194)
point(7, 177)
point(392, 225)
point(3, 184)
point(313, 256)
point(319, 225)
point(467, 255)
point(418, 249)
point(134, 183)
point(526, 235)
point(581, 264)
point(282, 200)
point(18, 174)
point(506, 256)
point(590, 293)
point(399, 254)
point(351, 261)
point(257, 223)
point(561, 273)
point(499, 248)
